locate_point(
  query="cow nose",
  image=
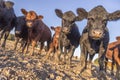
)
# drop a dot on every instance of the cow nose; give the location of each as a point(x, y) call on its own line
point(97, 33)
point(66, 30)
point(17, 32)
point(29, 24)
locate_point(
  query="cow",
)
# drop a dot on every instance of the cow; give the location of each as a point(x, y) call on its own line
point(69, 32)
point(96, 34)
point(37, 30)
point(113, 54)
point(7, 19)
point(21, 32)
point(54, 43)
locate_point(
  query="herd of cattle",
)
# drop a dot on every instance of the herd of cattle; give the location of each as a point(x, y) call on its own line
point(94, 38)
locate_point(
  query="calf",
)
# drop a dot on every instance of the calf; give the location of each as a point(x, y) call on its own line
point(7, 19)
point(21, 32)
point(37, 29)
point(98, 34)
point(69, 32)
point(113, 54)
point(54, 42)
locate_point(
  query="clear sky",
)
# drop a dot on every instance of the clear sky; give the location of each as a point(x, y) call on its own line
point(47, 7)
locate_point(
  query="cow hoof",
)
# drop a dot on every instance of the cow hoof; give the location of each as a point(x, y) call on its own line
point(112, 73)
point(3, 46)
point(102, 76)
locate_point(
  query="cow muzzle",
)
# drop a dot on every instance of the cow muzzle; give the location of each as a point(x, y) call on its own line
point(17, 32)
point(66, 30)
point(29, 24)
point(97, 34)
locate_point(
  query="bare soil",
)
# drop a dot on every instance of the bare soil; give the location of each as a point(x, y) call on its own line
point(16, 66)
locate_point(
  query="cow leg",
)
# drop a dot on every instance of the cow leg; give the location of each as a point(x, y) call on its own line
point(41, 47)
point(88, 46)
point(48, 45)
point(33, 46)
point(70, 54)
point(90, 61)
point(5, 38)
point(1, 34)
point(106, 63)
point(23, 45)
point(27, 46)
point(16, 42)
point(83, 54)
point(48, 54)
point(85, 63)
point(101, 58)
point(59, 51)
point(118, 71)
point(83, 58)
point(113, 62)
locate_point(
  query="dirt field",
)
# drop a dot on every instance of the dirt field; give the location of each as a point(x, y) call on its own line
point(16, 66)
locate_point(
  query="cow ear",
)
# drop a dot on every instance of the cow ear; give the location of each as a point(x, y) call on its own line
point(118, 38)
point(82, 14)
point(40, 17)
point(53, 28)
point(59, 13)
point(24, 11)
point(114, 16)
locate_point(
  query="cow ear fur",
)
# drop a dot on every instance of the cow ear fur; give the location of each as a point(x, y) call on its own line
point(59, 13)
point(24, 11)
point(40, 17)
point(114, 16)
point(82, 14)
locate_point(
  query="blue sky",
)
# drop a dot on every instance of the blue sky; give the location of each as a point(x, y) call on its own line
point(47, 7)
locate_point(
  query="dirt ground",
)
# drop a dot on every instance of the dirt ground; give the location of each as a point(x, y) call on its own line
point(16, 66)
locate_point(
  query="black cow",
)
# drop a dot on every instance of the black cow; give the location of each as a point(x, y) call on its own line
point(69, 31)
point(95, 36)
point(7, 19)
point(21, 32)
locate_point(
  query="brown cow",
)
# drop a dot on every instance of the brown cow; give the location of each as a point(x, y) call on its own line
point(54, 43)
point(113, 53)
point(37, 29)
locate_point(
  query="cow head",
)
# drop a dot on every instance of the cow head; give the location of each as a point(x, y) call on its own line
point(4, 6)
point(9, 4)
point(31, 17)
point(19, 24)
point(57, 30)
point(97, 20)
point(68, 19)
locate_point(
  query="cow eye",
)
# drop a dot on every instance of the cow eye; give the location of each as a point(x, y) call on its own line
point(91, 19)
